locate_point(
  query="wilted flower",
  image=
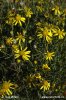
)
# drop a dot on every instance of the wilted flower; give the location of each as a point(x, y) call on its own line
point(45, 66)
point(56, 10)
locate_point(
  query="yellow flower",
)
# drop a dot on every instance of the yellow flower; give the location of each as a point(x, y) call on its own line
point(37, 76)
point(45, 85)
point(45, 66)
point(60, 34)
point(9, 40)
point(22, 53)
point(46, 34)
point(20, 38)
point(15, 47)
point(49, 55)
point(6, 88)
point(56, 10)
point(18, 20)
point(30, 80)
point(10, 16)
point(10, 20)
point(28, 12)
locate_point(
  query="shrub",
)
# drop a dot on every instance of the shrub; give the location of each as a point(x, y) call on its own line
point(33, 48)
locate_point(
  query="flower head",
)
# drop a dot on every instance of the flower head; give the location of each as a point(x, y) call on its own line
point(60, 34)
point(45, 85)
point(49, 55)
point(10, 17)
point(20, 38)
point(56, 10)
point(46, 34)
point(45, 66)
point(9, 40)
point(6, 88)
point(28, 12)
point(22, 53)
point(18, 20)
point(37, 76)
point(10, 20)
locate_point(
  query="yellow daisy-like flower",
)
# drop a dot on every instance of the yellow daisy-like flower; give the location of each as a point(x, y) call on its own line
point(46, 34)
point(45, 66)
point(49, 55)
point(22, 53)
point(60, 34)
point(56, 10)
point(10, 20)
point(28, 12)
point(9, 40)
point(18, 20)
point(20, 38)
point(37, 76)
point(45, 85)
point(6, 86)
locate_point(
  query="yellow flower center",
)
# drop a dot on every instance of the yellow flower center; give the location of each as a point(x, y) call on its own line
point(49, 54)
point(22, 53)
point(6, 86)
point(20, 36)
point(18, 17)
point(45, 32)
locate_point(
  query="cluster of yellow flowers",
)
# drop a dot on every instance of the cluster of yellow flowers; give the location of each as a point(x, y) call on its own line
point(16, 19)
point(31, 29)
point(16, 44)
point(32, 81)
point(48, 32)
